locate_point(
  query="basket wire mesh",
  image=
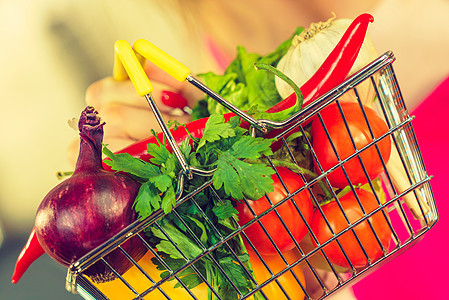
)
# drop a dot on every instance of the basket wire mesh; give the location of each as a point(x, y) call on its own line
point(405, 201)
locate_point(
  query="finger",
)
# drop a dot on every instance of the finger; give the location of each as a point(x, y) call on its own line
point(106, 91)
point(156, 74)
point(133, 122)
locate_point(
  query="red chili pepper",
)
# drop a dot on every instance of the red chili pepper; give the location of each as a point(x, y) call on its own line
point(30, 252)
point(336, 66)
point(331, 73)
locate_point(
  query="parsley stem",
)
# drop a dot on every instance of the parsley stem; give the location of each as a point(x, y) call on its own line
point(209, 279)
point(62, 174)
point(248, 264)
point(297, 169)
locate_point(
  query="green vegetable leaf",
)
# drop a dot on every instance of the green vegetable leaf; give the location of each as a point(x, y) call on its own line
point(162, 182)
point(124, 162)
point(242, 85)
point(225, 210)
point(202, 229)
point(188, 276)
point(254, 179)
point(188, 247)
point(234, 270)
point(261, 85)
point(169, 166)
point(218, 83)
point(159, 152)
point(168, 200)
point(284, 114)
point(200, 110)
point(248, 147)
point(239, 178)
point(215, 129)
point(147, 200)
point(226, 176)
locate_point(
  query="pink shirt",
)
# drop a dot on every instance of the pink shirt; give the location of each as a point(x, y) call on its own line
point(422, 271)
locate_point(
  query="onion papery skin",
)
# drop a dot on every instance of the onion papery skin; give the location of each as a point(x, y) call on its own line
point(67, 230)
point(87, 209)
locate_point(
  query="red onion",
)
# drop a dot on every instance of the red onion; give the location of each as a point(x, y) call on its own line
point(88, 208)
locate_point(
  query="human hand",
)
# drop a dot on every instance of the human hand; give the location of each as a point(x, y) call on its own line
point(127, 116)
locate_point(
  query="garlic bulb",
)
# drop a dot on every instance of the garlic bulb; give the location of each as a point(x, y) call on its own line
point(310, 48)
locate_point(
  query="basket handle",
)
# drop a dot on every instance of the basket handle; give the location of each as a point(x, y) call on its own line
point(182, 73)
point(127, 60)
point(127, 64)
point(161, 59)
point(143, 50)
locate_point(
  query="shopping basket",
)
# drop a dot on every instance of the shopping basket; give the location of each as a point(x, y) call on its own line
point(404, 201)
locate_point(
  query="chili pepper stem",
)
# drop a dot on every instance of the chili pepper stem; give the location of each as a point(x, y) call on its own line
point(283, 114)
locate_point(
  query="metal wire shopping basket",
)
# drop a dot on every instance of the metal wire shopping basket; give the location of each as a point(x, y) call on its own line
point(405, 202)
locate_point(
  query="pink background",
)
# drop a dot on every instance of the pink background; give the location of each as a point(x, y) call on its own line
point(421, 272)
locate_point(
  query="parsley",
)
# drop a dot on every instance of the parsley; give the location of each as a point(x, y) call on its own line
point(203, 221)
point(215, 130)
point(225, 210)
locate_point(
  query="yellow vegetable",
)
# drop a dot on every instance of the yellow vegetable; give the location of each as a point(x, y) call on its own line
point(117, 290)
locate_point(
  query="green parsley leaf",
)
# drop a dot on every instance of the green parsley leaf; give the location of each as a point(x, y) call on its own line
point(240, 178)
point(188, 247)
point(169, 166)
point(215, 129)
point(169, 200)
point(248, 147)
point(162, 182)
point(256, 183)
point(147, 200)
point(159, 152)
point(234, 270)
point(226, 176)
point(225, 210)
point(201, 227)
point(124, 162)
point(188, 276)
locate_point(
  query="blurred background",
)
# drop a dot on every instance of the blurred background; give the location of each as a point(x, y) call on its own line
point(52, 50)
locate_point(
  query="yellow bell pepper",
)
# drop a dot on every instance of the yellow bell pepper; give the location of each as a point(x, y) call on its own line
point(117, 290)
